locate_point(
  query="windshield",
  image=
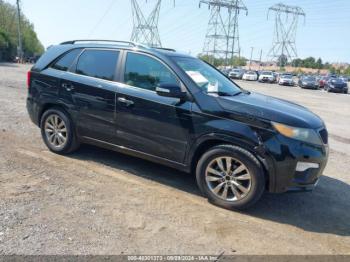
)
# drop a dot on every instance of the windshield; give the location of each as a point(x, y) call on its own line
point(266, 73)
point(310, 78)
point(337, 81)
point(207, 78)
point(287, 76)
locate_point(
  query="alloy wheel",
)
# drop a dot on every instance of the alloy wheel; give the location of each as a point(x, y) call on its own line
point(56, 131)
point(228, 178)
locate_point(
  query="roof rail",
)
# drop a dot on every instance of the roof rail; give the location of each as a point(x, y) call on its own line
point(72, 42)
point(164, 48)
point(129, 43)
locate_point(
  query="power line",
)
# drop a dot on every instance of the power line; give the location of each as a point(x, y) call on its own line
point(102, 17)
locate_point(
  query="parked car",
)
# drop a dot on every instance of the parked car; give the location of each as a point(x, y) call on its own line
point(322, 81)
point(225, 71)
point(336, 85)
point(175, 110)
point(250, 76)
point(308, 82)
point(345, 78)
point(286, 80)
point(267, 76)
point(236, 73)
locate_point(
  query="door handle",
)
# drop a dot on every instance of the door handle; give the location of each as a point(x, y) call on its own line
point(125, 101)
point(68, 87)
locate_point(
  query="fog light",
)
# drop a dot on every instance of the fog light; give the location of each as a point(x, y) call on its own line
point(302, 166)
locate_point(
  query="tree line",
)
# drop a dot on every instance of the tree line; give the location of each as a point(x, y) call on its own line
point(9, 34)
point(309, 62)
point(235, 61)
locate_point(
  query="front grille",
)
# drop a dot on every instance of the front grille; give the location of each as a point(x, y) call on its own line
point(324, 135)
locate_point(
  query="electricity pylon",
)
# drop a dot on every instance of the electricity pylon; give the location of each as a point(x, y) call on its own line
point(286, 24)
point(145, 30)
point(222, 37)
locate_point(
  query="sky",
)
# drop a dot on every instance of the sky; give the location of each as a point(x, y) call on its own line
point(325, 33)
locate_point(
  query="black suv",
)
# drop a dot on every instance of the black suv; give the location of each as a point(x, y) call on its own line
point(179, 111)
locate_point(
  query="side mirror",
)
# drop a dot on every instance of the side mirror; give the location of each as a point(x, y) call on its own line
point(170, 90)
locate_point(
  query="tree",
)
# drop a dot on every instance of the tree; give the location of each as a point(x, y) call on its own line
point(347, 71)
point(7, 50)
point(9, 36)
point(319, 64)
point(309, 62)
point(282, 61)
point(297, 62)
point(238, 61)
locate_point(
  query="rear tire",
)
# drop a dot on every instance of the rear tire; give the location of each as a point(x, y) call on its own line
point(230, 177)
point(58, 132)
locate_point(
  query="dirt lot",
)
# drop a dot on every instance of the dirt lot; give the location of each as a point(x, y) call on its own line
point(101, 202)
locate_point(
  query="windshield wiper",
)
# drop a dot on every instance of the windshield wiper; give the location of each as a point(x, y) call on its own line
point(238, 93)
point(220, 93)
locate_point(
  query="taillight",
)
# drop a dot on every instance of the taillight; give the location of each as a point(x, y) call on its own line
point(28, 78)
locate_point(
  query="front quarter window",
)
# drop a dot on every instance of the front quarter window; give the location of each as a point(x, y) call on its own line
point(207, 78)
point(145, 72)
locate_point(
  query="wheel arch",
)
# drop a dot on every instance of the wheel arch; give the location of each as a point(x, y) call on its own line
point(204, 143)
point(48, 106)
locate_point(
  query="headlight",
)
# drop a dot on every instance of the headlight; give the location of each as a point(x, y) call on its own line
point(304, 83)
point(302, 134)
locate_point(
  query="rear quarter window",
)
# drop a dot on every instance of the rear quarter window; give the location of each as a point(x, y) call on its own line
point(65, 62)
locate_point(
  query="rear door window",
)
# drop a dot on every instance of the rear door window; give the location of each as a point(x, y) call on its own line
point(65, 62)
point(98, 63)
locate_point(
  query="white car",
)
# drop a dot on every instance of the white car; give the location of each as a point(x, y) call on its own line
point(250, 76)
point(286, 80)
point(267, 76)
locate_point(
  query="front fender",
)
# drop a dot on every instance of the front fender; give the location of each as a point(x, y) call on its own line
point(254, 146)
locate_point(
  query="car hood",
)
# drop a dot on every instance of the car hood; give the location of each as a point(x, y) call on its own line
point(272, 109)
point(309, 81)
point(339, 84)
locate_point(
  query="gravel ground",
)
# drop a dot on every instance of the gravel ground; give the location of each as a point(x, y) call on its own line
point(101, 202)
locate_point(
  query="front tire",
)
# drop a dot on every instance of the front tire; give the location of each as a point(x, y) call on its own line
point(230, 177)
point(57, 131)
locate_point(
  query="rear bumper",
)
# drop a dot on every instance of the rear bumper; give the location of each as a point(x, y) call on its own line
point(33, 110)
point(266, 80)
point(286, 83)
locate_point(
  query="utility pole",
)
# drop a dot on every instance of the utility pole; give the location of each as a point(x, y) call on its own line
point(19, 47)
point(260, 59)
point(251, 57)
point(145, 30)
point(286, 24)
point(222, 37)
